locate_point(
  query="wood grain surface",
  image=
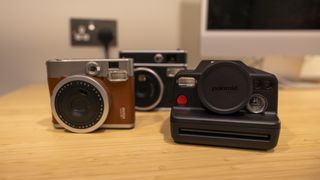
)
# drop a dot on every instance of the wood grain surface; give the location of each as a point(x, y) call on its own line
point(31, 149)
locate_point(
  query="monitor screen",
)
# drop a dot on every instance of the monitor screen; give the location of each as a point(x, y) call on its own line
point(263, 15)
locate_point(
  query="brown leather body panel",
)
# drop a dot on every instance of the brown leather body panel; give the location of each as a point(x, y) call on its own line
point(121, 99)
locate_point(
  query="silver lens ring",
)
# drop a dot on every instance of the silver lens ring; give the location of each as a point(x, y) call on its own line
point(93, 68)
point(257, 104)
point(94, 83)
point(147, 108)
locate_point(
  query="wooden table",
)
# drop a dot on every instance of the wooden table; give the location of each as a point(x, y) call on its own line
point(31, 149)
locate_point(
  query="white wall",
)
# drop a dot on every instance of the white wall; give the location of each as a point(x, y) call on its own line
point(32, 31)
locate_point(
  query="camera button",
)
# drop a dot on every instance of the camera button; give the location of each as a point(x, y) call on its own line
point(182, 100)
point(93, 68)
point(257, 104)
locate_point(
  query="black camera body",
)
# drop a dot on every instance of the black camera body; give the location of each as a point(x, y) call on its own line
point(226, 103)
point(154, 76)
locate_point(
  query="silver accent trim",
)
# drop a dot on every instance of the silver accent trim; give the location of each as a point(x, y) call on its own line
point(101, 90)
point(187, 82)
point(68, 67)
point(161, 89)
point(161, 65)
point(261, 110)
point(91, 64)
point(158, 58)
point(126, 126)
point(57, 60)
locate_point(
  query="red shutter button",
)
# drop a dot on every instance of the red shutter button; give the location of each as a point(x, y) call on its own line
point(182, 100)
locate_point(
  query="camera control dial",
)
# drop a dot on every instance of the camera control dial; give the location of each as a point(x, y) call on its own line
point(93, 68)
point(257, 104)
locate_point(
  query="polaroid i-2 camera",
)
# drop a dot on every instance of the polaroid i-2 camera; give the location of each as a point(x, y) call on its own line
point(154, 76)
point(88, 94)
point(226, 103)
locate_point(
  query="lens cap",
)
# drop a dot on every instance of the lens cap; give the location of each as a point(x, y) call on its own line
point(224, 87)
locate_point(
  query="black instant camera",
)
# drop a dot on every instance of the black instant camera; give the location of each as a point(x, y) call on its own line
point(226, 103)
point(154, 72)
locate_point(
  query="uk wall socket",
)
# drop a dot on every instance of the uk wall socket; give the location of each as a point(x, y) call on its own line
point(85, 32)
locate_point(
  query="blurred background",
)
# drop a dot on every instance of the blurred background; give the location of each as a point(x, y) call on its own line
point(36, 30)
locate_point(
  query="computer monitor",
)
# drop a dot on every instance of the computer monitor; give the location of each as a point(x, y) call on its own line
point(260, 27)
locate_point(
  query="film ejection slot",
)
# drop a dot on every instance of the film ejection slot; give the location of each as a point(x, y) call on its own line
point(117, 75)
point(187, 82)
point(171, 72)
point(224, 134)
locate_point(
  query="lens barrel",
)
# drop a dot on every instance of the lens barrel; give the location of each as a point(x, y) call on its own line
point(149, 89)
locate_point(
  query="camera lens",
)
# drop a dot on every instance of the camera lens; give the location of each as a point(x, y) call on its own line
point(80, 104)
point(224, 87)
point(158, 58)
point(148, 89)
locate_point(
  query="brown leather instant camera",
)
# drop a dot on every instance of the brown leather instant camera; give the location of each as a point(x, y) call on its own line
point(87, 94)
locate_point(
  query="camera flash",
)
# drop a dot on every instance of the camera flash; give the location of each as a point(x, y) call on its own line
point(186, 82)
point(117, 75)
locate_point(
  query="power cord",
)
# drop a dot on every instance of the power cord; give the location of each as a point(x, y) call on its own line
point(106, 37)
